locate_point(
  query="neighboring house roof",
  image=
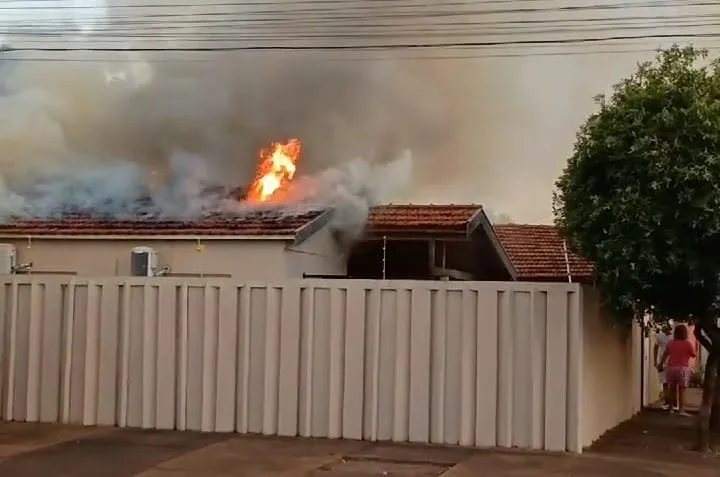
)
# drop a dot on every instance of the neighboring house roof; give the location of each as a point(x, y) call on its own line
point(538, 254)
point(433, 220)
point(425, 219)
point(266, 224)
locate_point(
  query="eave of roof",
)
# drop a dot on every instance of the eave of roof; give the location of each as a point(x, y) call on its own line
point(296, 228)
point(497, 246)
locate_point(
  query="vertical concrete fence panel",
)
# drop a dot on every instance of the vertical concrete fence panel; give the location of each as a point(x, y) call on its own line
point(466, 363)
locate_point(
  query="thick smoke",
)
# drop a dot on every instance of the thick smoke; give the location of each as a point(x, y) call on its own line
point(353, 188)
point(131, 137)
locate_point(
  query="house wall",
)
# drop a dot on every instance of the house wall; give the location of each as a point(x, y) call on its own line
point(239, 259)
point(468, 363)
point(318, 255)
point(611, 369)
point(654, 384)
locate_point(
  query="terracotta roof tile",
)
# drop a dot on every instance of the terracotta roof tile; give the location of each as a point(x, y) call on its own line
point(537, 253)
point(266, 223)
point(421, 218)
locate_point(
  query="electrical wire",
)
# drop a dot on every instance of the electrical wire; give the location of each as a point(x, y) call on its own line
point(440, 10)
point(278, 20)
point(350, 59)
point(391, 28)
point(488, 30)
point(379, 46)
point(232, 31)
point(354, 4)
point(290, 15)
point(130, 26)
point(143, 27)
point(224, 4)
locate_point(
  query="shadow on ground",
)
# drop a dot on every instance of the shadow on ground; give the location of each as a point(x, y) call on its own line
point(654, 444)
point(658, 436)
point(115, 454)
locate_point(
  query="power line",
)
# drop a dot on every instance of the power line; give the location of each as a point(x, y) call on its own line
point(677, 29)
point(229, 4)
point(453, 29)
point(441, 10)
point(234, 23)
point(350, 59)
point(385, 46)
point(426, 33)
point(295, 19)
point(228, 29)
point(379, 4)
point(369, 28)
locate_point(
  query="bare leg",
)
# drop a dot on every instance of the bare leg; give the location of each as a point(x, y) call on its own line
point(672, 395)
point(681, 398)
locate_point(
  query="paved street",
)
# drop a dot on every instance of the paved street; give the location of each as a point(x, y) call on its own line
point(34, 450)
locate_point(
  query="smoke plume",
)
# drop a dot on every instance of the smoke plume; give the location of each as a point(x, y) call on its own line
point(147, 138)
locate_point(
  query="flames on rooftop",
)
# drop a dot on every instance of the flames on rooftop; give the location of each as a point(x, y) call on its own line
point(273, 177)
point(275, 172)
point(120, 192)
point(187, 191)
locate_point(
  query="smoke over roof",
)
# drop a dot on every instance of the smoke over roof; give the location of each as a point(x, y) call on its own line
point(143, 139)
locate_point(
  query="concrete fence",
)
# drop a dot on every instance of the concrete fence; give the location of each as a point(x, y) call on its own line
point(475, 364)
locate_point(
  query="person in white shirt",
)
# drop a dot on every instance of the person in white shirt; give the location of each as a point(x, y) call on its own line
point(661, 341)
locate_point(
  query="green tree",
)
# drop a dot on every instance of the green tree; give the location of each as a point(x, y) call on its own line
point(640, 197)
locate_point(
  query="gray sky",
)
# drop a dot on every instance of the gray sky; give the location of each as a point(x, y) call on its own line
point(509, 114)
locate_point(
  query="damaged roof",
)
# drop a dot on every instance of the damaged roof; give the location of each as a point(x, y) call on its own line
point(296, 226)
point(426, 219)
point(538, 254)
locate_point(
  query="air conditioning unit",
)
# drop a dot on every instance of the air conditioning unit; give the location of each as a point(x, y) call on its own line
point(8, 259)
point(143, 262)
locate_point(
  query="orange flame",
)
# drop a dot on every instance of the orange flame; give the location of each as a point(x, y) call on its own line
point(276, 170)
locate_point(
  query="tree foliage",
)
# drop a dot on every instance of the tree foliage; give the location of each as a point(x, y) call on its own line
point(640, 196)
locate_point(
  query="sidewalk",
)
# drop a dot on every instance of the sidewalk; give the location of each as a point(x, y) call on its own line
point(34, 450)
point(693, 399)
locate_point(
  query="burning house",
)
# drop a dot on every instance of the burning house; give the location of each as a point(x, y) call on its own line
point(241, 235)
point(268, 231)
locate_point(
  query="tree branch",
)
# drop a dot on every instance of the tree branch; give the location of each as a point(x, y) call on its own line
point(701, 337)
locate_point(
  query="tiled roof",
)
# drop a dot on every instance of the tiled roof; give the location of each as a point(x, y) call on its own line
point(421, 218)
point(266, 223)
point(537, 253)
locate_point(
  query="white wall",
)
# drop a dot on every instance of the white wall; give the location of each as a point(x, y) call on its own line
point(468, 363)
point(318, 255)
point(240, 259)
point(611, 369)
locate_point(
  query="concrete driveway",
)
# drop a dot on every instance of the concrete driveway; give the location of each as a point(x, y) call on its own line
point(34, 450)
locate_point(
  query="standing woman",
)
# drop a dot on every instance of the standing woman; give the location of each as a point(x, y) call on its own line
point(678, 354)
